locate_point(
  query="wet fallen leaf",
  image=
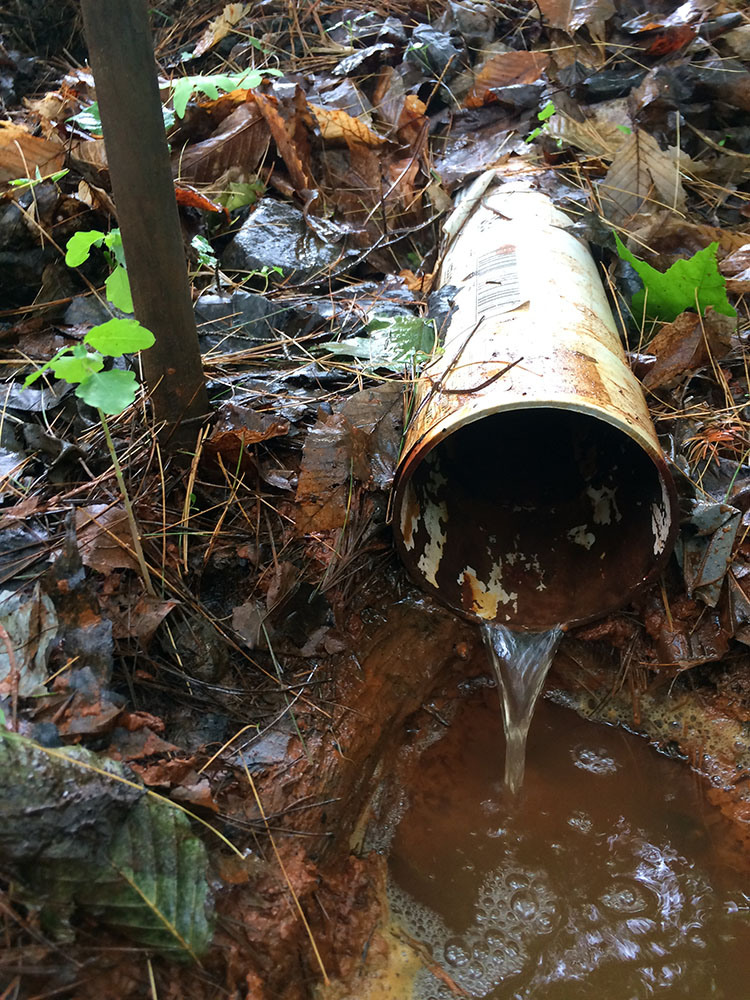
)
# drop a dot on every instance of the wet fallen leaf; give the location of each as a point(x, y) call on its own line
point(503, 70)
point(29, 622)
point(688, 343)
point(241, 141)
point(736, 269)
point(104, 538)
point(570, 15)
point(237, 427)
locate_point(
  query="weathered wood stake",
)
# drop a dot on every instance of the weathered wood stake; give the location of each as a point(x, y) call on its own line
point(121, 55)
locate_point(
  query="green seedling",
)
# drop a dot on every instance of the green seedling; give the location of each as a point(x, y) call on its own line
point(82, 365)
point(210, 86)
point(544, 116)
point(117, 285)
point(695, 283)
point(31, 182)
point(206, 256)
point(265, 273)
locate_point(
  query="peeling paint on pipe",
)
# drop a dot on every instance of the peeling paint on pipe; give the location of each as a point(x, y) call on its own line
point(532, 490)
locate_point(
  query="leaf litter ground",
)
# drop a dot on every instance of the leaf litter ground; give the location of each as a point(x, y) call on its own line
point(319, 196)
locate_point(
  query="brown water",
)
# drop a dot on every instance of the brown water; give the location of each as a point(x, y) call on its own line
point(608, 878)
point(520, 662)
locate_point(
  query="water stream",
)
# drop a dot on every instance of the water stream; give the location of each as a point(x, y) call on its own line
point(520, 661)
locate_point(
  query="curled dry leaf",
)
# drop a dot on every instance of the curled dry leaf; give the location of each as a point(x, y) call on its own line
point(339, 126)
point(221, 26)
point(290, 136)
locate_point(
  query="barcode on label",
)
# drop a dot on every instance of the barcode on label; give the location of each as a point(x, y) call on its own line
point(498, 287)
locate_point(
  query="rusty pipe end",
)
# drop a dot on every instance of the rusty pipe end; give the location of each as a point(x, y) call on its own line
point(534, 516)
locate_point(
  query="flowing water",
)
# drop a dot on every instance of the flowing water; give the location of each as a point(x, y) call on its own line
point(610, 878)
point(521, 661)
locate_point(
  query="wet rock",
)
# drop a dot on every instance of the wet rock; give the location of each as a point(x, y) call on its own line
point(354, 26)
point(440, 50)
point(87, 310)
point(474, 19)
point(609, 84)
point(233, 322)
point(277, 235)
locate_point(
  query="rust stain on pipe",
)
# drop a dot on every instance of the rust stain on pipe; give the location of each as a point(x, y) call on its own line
point(539, 497)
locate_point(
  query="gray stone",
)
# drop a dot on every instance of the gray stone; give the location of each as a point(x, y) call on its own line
point(276, 234)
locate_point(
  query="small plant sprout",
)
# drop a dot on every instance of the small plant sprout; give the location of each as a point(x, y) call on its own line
point(82, 365)
point(108, 392)
point(210, 86)
point(117, 286)
point(31, 182)
point(544, 116)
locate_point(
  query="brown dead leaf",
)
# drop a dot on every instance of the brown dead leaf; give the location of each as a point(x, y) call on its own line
point(221, 26)
point(688, 343)
point(289, 140)
point(641, 170)
point(96, 198)
point(421, 283)
point(90, 153)
point(736, 269)
point(241, 141)
point(104, 539)
point(21, 154)
point(570, 15)
point(503, 70)
point(339, 126)
point(239, 426)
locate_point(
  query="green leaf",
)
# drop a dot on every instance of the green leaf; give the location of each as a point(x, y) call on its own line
point(547, 111)
point(119, 336)
point(687, 283)
point(79, 246)
point(126, 858)
point(210, 85)
point(394, 342)
point(113, 243)
point(206, 255)
point(78, 365)
point(89, 119)
point(111, 392)
point(117, 288)
point(159, 898)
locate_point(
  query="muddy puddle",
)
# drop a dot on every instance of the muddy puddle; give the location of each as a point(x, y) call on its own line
point(609, 878)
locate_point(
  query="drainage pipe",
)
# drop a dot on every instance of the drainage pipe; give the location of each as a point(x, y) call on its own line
point(532, 489)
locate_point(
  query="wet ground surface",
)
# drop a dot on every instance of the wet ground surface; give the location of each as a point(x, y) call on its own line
point(609, 878)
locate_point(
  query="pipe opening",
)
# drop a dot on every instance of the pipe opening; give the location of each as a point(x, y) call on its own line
point(534, 517)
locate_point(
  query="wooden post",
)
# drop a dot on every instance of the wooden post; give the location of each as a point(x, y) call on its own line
point(121, 56)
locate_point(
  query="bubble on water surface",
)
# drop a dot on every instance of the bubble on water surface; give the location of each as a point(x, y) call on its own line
point(595, 760)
